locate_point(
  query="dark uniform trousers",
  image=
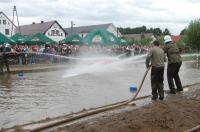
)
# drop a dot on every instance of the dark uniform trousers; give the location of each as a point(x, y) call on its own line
point(172, 73)
point(157, 79)
point(4, 61)
point(1, 64)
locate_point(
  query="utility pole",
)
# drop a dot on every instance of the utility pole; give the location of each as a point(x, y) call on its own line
point(15, 13)
point(72, 24)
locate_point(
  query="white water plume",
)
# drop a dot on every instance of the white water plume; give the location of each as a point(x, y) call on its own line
point(102, 64)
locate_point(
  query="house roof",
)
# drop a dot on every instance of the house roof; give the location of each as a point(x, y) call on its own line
point(176, 38)
point(34, 28)
point(87, 29)
point(7, 18)
point(137, 36)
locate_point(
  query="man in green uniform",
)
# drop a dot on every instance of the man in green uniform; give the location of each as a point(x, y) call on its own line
point(174, 64)
point(156, 58)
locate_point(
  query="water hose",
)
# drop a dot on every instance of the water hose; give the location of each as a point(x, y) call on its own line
point(194, 129)
point(140, 87)
point(92, 112)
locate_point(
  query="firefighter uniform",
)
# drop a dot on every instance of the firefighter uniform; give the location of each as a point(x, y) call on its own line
point(156, 57)
point(174, 64)
point(5, 50)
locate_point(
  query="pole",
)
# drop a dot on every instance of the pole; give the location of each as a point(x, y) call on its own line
point(72, 24)
point(12, 20)
point(15, 11)
point(17, 20)
point(71, 27)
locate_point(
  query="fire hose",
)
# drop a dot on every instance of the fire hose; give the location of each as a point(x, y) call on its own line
point(96, 111)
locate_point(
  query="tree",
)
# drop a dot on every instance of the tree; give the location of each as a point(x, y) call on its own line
point(166, 32)
point(157, 31)
point(193, 34)
point(183, 32)
point(145, 41)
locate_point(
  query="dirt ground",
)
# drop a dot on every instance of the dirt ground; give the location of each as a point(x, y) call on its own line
point(176, 113)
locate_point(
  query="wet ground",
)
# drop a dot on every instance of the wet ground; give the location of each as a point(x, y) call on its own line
point(36, 96)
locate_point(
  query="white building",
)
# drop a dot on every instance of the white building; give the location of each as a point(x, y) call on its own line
point(84, 30)
point(6, 25)
point(51, 29)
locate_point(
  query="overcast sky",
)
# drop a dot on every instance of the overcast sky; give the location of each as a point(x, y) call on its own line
point(172, 14)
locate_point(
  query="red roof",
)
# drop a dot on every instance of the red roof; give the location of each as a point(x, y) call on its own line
point(176, 38)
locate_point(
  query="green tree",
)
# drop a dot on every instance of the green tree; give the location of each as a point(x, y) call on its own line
point(139, 30)
point(193, 34)
point(183, 32)
point(180, 44)
point(166, 32)
point(157, 31)
point(145, 41)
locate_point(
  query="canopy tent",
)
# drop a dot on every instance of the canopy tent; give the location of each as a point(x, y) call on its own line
point(72, 39)
point(100, 36)
point(18, 38)
point(4, 39)
point(123, 41)
point(38, 39)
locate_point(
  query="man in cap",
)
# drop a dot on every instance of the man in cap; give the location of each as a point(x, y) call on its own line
point(156, 57)
point(5, 50)
point(174, 64)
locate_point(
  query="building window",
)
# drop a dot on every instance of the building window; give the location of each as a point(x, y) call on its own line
point(8, 23)
point(61, 34)
point(4, 22)
point(0, 21)
point(7, 31)
point(52, 32)
point(49, 34)
point(57, 32)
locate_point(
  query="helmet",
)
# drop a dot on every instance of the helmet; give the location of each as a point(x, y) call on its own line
point(167, 39)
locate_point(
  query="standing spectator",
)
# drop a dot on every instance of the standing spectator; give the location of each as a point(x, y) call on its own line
point(174, 64)
point(18, 49)
point(25, 55)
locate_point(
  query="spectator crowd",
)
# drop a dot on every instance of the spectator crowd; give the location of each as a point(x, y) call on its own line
point(23, 54)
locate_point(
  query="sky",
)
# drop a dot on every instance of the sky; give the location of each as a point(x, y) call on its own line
point(172, 14)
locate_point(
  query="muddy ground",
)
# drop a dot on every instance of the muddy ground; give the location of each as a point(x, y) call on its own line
point(176, 113)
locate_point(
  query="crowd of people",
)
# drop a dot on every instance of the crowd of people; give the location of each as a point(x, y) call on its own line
point(23, 54)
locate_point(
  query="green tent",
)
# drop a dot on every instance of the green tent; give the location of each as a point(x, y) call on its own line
point(101, 36)
point(122, 41)
point(38, 39)
point(18, 38)
point(72, 39)
point(4, 39)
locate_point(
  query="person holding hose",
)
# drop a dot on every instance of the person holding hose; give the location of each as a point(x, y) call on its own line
point(156, 59)
point(4, 51)
point(174, 64)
